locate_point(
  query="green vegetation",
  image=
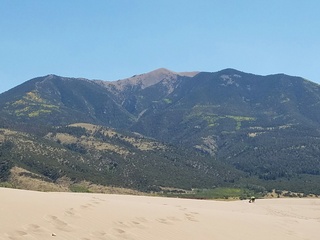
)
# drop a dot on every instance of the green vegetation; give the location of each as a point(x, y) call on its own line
point(167, 100)
point(103, 156)
point(32, 105)
point(200, 134)
point(213, 120)
point(5, 160)
point(5, 166)
point(74, 131)
point(37, 113)
point(6, 185)
point(240, 119)
point(79, 188)
point(215, 193)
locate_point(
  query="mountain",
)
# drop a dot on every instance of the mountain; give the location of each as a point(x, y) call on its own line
point(108, 157)
point(54, 100)
point(136, 94)
point(263, 129)
point(145, 80)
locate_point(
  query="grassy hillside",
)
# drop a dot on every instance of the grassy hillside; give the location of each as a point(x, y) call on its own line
point(104, 156)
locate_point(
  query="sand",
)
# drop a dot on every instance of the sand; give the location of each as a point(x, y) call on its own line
point(37, 215)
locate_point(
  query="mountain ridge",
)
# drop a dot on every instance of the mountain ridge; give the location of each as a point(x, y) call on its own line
point(146, 79)
point(265, 127)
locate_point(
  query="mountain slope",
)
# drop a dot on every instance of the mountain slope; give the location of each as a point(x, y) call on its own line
point(228, 101)
point(145, 80)
point(54, 100)
point(135, 94)
point(267, 127)
point(104, 156)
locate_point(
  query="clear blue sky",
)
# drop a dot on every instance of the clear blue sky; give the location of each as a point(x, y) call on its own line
point(115, 39)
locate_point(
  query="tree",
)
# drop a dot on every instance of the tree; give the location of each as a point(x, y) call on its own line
point(5, 167)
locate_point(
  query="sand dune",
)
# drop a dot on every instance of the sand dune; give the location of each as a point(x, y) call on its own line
point(36, 215)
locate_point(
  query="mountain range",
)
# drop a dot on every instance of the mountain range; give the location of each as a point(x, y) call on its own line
point(167, 129)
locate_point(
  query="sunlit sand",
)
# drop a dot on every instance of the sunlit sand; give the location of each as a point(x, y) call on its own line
point(37, 215)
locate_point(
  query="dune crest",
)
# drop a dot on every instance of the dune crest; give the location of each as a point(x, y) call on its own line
point(38, 215)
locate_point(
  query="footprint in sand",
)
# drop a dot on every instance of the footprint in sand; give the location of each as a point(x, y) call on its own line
point(26, 230)
point(174, 219)
point(95, 202)
point(71, 212)
point(191, 217)
point(21, 233)
point(136, 223)
point(169, 220)
point(164, 221)
point(122, 224)
point(34, 228)
point(118, 233)
point(142, 219)
point(16, 235)
point(118, 230)
point(114, 233)
point(99, 235)
point(86, 206)
point(99, 199)
point(59, 224)
point(183, 209)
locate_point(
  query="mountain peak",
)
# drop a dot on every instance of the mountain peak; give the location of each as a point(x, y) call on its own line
point(162, 71)
point(166, 71)
point(148, 79)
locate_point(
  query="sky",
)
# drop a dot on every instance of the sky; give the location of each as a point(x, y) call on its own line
point(116, 39)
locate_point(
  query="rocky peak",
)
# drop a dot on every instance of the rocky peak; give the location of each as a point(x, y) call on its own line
point(147, 79)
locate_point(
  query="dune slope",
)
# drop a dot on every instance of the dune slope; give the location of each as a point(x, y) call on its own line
point(37, 215)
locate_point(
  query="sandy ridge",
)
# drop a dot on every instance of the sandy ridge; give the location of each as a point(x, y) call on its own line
point(37, 215)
